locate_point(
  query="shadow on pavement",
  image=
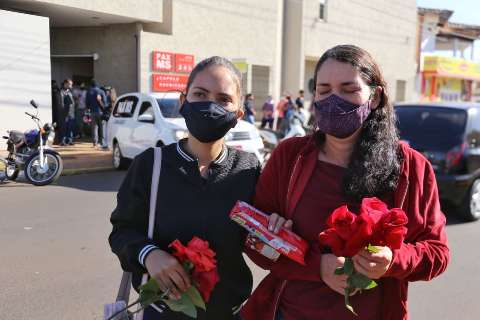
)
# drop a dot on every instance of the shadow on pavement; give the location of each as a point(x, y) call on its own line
point(108, 181)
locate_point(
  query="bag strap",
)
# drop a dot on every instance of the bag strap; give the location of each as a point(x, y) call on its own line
point(126, 282)
point(157, 167)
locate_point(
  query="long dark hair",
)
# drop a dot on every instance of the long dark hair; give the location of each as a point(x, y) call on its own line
point(375, 163)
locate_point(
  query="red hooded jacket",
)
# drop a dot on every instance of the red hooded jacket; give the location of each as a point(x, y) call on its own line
point(423, 256)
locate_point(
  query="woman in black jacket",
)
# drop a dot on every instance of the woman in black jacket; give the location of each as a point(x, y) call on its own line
point(200, 181)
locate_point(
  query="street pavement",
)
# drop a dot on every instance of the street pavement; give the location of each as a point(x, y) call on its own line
point(56, 262)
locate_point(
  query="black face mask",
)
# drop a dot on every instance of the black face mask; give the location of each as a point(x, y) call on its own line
point(207, 121)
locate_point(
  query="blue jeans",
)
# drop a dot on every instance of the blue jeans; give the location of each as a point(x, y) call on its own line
point(69, 130)
point(250, 118)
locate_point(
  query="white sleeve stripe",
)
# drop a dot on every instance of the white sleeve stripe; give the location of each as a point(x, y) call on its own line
point(143, 253)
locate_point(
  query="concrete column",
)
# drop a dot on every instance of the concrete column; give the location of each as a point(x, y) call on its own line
point(293, 61)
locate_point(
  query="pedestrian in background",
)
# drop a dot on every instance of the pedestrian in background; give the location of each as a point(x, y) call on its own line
point(67, 134)
point(80, 95)
point(96, 101)
point(58, 118)
point(299, 102)
point(281, 112)
point(289, 109)
point(267, 109)
point(249, 107)
point(111, 95)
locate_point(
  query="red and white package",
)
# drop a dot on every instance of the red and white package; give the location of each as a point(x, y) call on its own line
point(256, 222)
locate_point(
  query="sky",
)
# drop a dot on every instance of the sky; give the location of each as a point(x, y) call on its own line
point(465, 11)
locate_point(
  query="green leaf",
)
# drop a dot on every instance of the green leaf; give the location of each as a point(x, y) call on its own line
point(347, 302)
point(339, 271)
point(372, 285)
point(360, 281)
point(150, 293)
point(184, 305)
point(196, 297)
point(348, 266)
point(150, 286)
point(373, 249)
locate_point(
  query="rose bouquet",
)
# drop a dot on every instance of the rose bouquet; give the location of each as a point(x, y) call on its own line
point(348, 233)
point(199, 261)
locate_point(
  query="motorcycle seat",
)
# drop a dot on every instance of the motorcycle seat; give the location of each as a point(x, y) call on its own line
point(16, 136)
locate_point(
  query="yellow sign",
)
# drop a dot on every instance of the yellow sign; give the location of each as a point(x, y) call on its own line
point(242, 66)
point(451, 67)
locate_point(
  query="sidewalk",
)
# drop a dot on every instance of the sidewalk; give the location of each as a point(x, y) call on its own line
point(80, 158)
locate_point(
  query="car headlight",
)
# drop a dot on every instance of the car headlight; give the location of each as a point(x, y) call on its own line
point(181, 134)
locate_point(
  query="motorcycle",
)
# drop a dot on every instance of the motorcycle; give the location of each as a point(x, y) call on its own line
point(31, 152)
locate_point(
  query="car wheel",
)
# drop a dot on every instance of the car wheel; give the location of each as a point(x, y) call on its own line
point(470, 210)
point(119, 162)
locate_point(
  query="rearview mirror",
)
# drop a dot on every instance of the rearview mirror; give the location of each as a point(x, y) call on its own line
point(146, 118)
point(34, 104)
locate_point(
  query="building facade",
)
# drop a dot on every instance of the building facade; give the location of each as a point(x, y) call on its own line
point(150, 45)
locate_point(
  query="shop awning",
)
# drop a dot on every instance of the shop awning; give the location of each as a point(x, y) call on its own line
point(451, 68)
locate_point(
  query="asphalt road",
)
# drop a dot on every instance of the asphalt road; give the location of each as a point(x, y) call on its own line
point(56, 263)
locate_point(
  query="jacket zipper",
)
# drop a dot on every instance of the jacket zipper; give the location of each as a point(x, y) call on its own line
point(277, 299)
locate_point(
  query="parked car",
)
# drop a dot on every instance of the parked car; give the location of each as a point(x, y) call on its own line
point(448, 134)
point(140, 121)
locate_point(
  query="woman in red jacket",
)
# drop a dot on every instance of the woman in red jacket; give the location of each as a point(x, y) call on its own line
point(355, 153)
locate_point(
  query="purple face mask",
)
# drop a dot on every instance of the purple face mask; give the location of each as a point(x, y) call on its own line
point(338, 117)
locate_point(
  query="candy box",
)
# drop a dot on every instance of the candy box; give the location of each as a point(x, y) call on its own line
point(270, 245)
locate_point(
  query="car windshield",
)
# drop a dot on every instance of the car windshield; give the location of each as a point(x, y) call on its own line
point(431, 128)
point(170, 107)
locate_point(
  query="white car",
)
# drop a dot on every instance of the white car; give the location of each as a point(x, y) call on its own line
point(140, 121)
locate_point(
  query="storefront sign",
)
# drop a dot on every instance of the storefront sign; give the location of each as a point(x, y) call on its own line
point(165, 82)
point(451, 67)
point(184, 62)
point(163, 61)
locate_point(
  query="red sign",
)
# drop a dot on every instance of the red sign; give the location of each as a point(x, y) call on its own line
point(169, 82)
point(184, 62)
point(163, 61)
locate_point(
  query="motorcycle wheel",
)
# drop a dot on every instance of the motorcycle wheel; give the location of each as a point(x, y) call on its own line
point(34, 173)
point(11, 171)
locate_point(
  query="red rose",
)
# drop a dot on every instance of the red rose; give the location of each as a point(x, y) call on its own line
point(179, 250)
point(197, 252)
point(342, 221)
point(391, 229)
point(201, 246)
point(362, 232)
point(330, 238)
point(205, 282)
point(374, 207)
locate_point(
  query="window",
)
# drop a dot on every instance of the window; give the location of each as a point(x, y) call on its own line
point(322, 10)
point(125, 107)
point(431, 128)
point(146, 109)
point(170, 108)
